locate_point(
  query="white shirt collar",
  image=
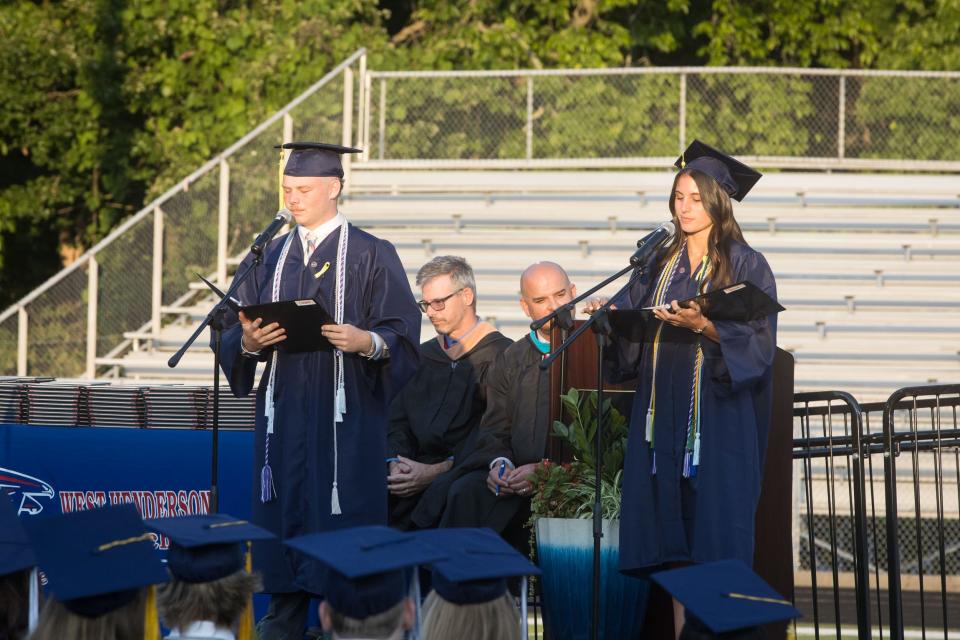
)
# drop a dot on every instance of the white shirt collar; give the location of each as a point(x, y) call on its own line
point(324, 230)
point(203, 629)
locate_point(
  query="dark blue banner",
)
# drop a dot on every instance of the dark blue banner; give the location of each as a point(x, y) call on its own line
point(165, 472)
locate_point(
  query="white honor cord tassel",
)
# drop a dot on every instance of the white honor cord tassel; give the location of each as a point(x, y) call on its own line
point(33, 614)
point(524, 629)
point(339, 389)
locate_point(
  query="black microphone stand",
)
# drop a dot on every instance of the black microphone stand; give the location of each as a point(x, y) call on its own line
point(214, 320)
point(600, 324)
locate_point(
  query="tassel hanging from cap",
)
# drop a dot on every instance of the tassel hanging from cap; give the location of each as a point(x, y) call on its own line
point(245, 628)
point(33, 612)
point(151, 623)
point(335, 501)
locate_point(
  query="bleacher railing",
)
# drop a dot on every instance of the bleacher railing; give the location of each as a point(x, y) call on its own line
point(642, 117)
point(90, 312)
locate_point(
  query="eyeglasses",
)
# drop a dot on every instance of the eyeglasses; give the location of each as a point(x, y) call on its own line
point(438, 304)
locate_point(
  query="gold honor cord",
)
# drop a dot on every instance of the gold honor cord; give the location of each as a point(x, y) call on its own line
point(743, 596)
point(232, 523)
point(119, 543)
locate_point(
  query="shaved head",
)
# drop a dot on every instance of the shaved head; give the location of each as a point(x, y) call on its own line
point(544, 287)
point(540, 271)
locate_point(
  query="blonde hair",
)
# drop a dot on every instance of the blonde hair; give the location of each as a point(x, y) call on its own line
point(126, 623)
point(494, 620)
point(220, 601)
point(380, 625)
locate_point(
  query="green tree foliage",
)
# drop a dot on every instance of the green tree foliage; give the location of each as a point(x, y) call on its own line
point(106, 103)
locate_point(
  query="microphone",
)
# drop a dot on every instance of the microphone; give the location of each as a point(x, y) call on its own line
point(283, 217)
point(649, 243)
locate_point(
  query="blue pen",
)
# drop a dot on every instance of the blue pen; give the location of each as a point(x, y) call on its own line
point(503, 465)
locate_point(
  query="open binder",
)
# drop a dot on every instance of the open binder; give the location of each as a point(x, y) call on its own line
point(740, 302)
point(301, 319)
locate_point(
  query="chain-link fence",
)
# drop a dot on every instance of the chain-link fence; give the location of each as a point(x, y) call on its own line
point(78, 320)
point(787, 117)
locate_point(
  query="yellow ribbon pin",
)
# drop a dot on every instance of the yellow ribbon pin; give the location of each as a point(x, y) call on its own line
point(323, 270)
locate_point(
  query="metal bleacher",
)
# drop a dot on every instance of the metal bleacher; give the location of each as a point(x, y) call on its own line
point(869, 277)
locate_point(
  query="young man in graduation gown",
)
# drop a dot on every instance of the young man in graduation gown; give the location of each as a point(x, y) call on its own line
point(321, 415)
point(495, 488)
point(433, 421)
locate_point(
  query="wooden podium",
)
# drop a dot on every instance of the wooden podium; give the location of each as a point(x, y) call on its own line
point(773, 552)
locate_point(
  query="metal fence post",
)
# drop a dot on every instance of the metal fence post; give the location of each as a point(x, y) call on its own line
point(895, 598)
point(361, 100)
point(223, 221)
point(93, 295)
point(382, 133)
point(346, 137)
point(367, 90)
point(156, 282)
point(842, 118)
point(529, 117)
point(22, 337)
point(683, 111)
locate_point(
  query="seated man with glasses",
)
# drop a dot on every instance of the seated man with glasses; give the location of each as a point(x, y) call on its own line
point(433, 420)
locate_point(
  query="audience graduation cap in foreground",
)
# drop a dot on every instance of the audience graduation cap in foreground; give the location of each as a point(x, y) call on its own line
point(726, 596)
point(369, 566)
point(96, 560)
point(205, 548)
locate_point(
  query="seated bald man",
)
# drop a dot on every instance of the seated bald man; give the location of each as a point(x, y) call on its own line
point(513, 431)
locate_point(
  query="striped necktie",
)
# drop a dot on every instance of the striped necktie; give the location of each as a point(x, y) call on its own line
point(311, 247)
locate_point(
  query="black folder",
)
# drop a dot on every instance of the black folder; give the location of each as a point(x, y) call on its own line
point(301, 319)
point(740, 302)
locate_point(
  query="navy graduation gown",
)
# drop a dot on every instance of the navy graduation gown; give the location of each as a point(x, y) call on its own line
point(377, 298)
point(710, 516)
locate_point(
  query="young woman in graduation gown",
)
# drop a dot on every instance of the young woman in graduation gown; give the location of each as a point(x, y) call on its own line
point(701, 412)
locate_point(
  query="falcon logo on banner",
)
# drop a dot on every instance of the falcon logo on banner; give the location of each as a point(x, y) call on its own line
point(26, 490)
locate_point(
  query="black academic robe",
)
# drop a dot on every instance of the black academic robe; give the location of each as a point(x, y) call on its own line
point(666, 517)
point(435, 417)
point(301, 450)
point(515, 426)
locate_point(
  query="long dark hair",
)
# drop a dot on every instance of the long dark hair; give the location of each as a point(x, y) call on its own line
point(725, 229)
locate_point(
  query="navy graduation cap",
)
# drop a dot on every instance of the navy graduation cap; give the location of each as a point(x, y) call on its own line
point(733, 176)
point(368, 566)
point(96, 560)
point(726, 596)
point(315, 159)
point(477, 565)
point(16, 553)
point(205, 548)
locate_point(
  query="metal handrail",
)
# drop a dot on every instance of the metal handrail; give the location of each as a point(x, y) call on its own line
point(850, 445)
point(893, 445)
point(624, 71)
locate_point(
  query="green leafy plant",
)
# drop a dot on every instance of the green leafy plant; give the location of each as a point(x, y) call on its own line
point(567, 490)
